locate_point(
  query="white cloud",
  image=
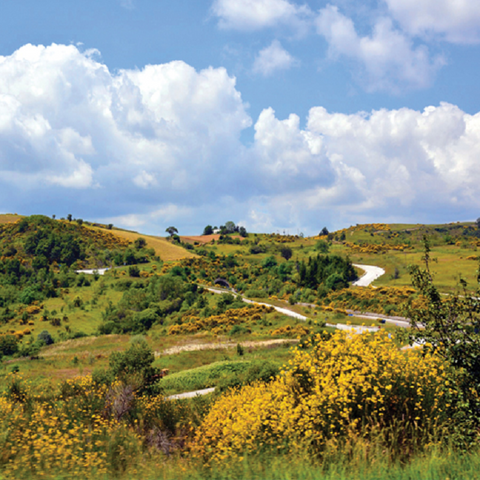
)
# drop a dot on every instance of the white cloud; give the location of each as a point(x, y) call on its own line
point(273, 58)
point(455, 21)
point(388, 58)
point(145, 180)
point(162, 145)
point(258, 14)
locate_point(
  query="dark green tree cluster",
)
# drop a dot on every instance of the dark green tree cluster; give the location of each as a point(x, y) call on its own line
point(332, 271)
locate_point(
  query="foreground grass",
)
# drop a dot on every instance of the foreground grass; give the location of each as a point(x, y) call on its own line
point(436, 464)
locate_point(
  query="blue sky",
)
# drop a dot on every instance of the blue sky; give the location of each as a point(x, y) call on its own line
point(276, 114)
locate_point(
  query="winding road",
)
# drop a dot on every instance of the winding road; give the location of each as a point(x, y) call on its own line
point(371, 274)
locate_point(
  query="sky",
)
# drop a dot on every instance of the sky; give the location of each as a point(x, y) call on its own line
point(278, 115)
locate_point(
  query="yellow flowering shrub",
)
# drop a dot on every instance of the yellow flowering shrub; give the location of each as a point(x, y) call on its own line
point(290, 331)
point(219, 323)
point(349, 384)
point(71, 434)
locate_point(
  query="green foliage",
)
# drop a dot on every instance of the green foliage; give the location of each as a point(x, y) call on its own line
point(451, 326)
point(8, 344)
point(135, 365)
point(269, 262)
point(134, 271)
point(322, 246)
point(140, 243)
point(172, 231)
point(286, 252)
point(208, 230)
point(332, 271)
point(45, 338)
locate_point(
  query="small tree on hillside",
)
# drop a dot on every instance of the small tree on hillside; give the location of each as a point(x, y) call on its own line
point(286, 252)
point(229, 227)
point(172, 231)
point(140, 243)
point(208, 230)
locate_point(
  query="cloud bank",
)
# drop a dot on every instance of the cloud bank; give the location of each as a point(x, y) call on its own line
point(144, 148)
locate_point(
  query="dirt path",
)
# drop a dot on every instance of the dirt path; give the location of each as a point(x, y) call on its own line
point(192, 347)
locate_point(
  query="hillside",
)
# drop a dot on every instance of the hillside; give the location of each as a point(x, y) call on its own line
point(69, 334)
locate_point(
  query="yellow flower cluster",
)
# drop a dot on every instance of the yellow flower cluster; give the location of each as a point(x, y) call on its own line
point(350, 384)
point(219, 323)
point(371, 299)
point(290, 331)
point(71, 435)
point(375, 247)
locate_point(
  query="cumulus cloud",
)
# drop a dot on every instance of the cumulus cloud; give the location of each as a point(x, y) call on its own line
point(273, 58)
point(250, 15)
point(454, 21)
point(162, 145)
point(388, 58)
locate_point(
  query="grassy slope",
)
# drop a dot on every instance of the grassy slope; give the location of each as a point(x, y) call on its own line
point(163, 248)
point(9, 218)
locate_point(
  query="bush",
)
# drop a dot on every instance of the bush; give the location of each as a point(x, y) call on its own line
point(45, 338)
point(135, 365)
point(344, 386)
point(133, 271)
point(322, 246)
point(8, 344)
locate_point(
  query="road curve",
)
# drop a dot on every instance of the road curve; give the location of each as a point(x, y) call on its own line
point(371, 274)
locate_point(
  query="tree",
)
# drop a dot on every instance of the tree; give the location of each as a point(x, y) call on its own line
point(286, 252)
point(69, 217)
point(208, 230)
point(229, 227)
point(140, 243)
point(172, 231)
point(134, 363)
point(269, 262)
point(324, 231)
point(322, 246)
point(450, 324)
point(45, 337)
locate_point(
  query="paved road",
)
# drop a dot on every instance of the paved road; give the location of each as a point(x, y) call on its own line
point(371, 274)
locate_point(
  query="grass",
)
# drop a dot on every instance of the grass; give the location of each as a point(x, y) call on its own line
point(163, 248)
point(9, 218)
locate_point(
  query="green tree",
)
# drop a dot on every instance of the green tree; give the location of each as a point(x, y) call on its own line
point(322, 246)
point(8, 344)
point(140, 243)
point(172, 231)
point(286, 252)
point(208, 230)
point(229, 227)
point(45, 337)
point(134, 365)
